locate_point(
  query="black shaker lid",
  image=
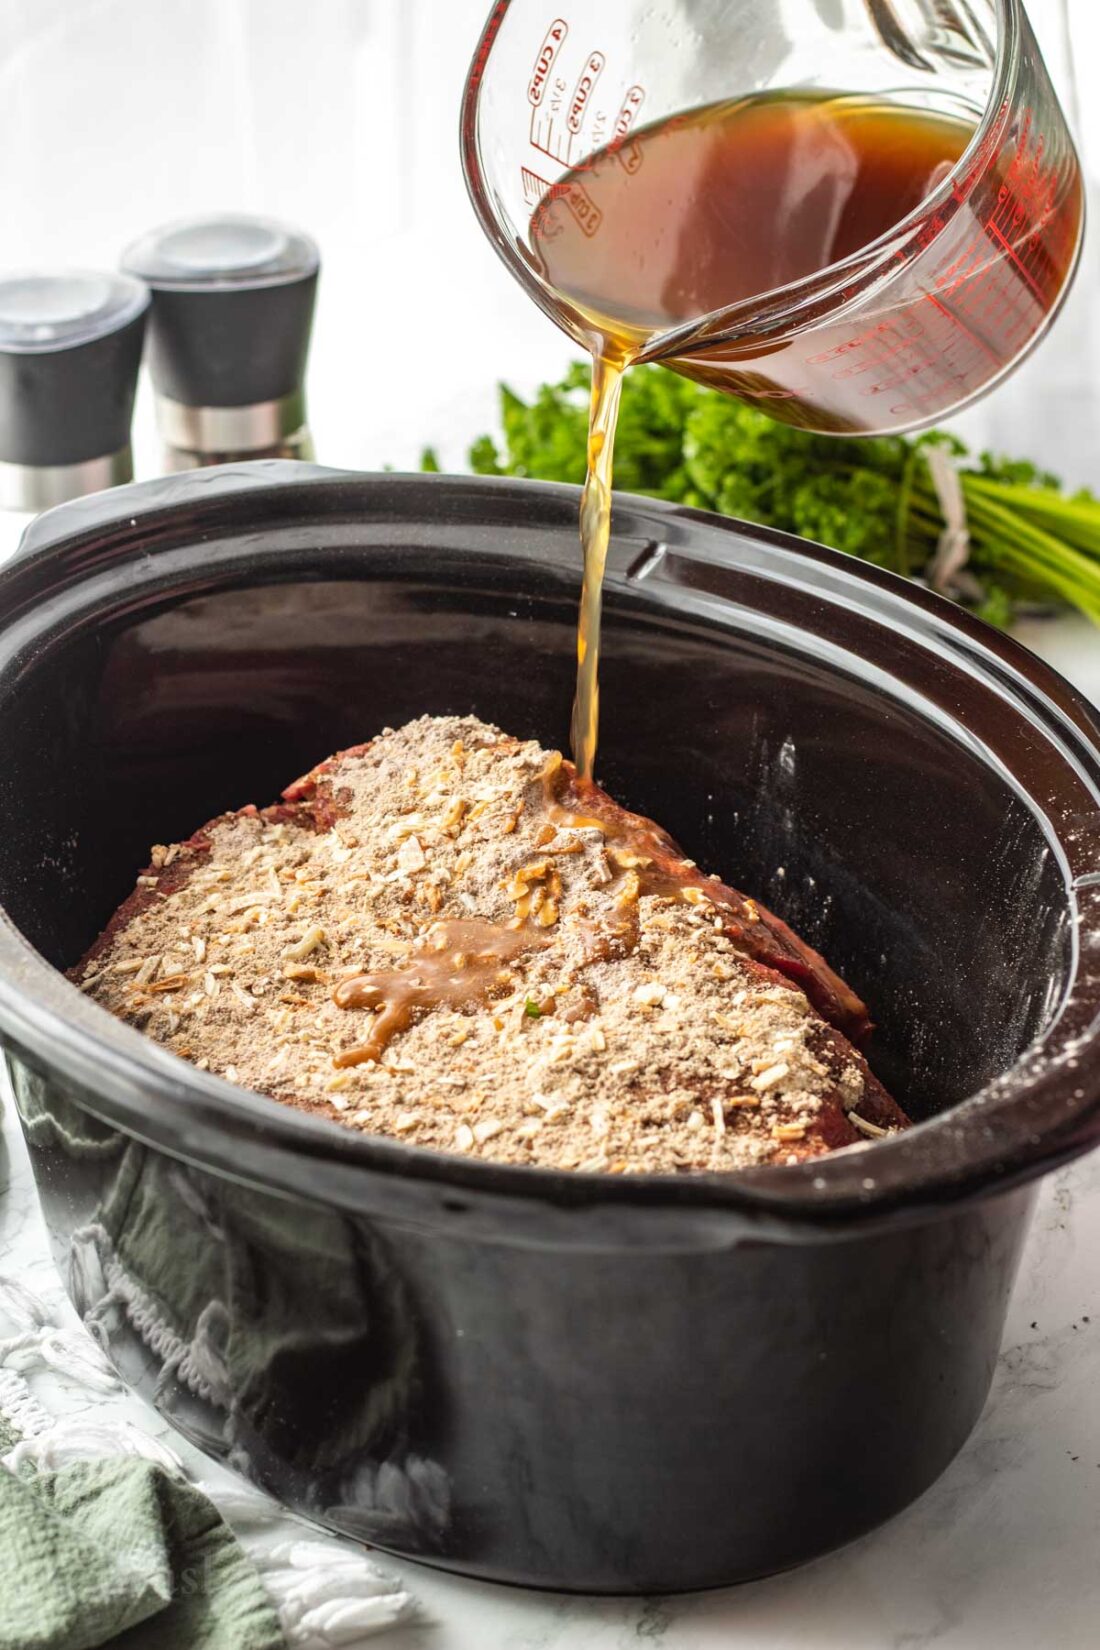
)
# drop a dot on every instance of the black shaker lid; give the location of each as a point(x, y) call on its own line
point(232, 310)
point(70, 348)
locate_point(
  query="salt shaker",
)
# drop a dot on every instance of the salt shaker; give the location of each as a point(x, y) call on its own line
point(70, 349)
point(232, 311)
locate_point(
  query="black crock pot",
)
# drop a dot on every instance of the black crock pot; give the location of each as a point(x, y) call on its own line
point(576, 1381)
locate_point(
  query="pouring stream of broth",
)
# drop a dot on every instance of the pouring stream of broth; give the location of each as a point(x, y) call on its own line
point(702, 211)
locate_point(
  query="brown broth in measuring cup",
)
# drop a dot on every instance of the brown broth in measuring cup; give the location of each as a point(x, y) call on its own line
point(704, 210)
point(707, 211)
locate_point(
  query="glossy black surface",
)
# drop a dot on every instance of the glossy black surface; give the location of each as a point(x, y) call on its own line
point(231, 348)
point(72, 403)
point(577, 1381)
point(232, 308)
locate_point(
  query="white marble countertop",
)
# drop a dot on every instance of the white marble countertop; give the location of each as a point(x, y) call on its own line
point(1003, 1553)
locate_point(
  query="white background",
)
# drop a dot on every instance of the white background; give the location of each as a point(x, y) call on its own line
point(342, 116)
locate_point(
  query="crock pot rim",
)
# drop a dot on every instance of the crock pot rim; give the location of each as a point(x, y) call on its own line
point(1053, 1115)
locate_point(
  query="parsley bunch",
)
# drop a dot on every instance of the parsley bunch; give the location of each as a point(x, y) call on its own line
point(873, 498)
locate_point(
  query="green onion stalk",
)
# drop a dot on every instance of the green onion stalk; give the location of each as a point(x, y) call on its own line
point(1030, 541)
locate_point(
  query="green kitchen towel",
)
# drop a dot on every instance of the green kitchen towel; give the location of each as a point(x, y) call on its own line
point(118, 1552)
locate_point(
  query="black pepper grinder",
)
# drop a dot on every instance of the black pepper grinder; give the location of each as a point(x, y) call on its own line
point(229, 335)
point(70, 349)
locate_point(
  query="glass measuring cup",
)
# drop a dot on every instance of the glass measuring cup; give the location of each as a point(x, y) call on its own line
point(906, 329)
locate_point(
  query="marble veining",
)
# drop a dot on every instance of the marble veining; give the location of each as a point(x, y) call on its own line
point(1003, 1553)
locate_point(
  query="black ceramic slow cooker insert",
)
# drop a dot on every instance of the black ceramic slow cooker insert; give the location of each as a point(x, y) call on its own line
point(580, 1381)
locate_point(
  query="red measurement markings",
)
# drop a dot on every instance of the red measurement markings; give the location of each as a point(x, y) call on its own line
point(1025, 201)
point(577, 199)
point(884, 352)
point(627, 116)
point(993, 287)
point(899, 353)
point(534, 187)
point(870, 350)
point(582, 92)
point(544, 62)
point(934, 380)
point(955, 315)
point(997, 288)
point(972, 292)
point(583, 207)
point(956, 268)
point(628, 154)
point(898, 356)
point(550, 134)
